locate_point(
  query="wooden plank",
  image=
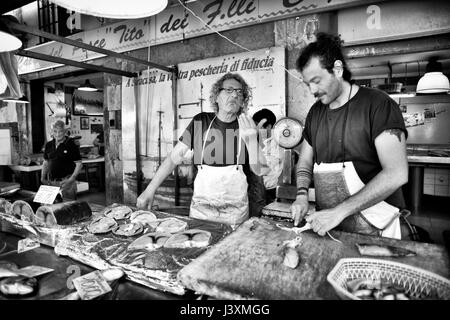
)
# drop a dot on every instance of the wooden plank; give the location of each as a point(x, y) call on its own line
point(248, 264)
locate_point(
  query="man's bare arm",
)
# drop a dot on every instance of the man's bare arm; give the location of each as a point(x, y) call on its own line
point(304, 170)
point(391, 150)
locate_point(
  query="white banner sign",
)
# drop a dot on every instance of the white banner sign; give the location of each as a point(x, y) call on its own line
point(176, 23)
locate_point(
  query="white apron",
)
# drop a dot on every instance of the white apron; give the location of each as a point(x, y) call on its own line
point(335, 182)
point(220, 193)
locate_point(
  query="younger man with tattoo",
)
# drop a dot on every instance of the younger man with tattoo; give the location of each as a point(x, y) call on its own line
point(348, 126)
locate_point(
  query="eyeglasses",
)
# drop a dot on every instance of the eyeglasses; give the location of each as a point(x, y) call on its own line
point(230, 90)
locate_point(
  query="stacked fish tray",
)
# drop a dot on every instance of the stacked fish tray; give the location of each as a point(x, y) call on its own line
point(150, 246)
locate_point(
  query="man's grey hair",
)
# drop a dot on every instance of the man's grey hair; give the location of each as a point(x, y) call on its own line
point(59, 124)
point(215, 90)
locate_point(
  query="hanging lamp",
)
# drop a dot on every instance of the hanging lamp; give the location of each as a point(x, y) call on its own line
point(433, 81)
point(87, 86)
point(114, 9)
point(22, 99)
point(8, 41)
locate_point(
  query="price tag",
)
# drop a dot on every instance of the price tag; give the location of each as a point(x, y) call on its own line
point(33, 271)
point(46, 194)
point(27, 244)
point(91, 285)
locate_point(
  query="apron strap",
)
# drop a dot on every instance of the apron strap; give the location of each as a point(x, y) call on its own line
point(206, 138)
point(239, 150)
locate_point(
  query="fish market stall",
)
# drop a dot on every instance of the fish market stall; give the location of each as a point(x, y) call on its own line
point(150, 247)
point(56, 284)
point(153, 255)
point(177, 257)
point(251, 262)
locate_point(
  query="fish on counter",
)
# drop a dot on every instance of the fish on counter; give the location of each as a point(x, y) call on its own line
point(22, 210)
point(64, 214)
point(375, 250)
point(8, 265)
point(102, 225)
point(377, 289)
point(18, 286)
point(5, 206)
point(6, 272)
point(128, 230)
point(193, 238)
point(168, 225)
point(118, 212)
point(143, 217)
point(150, 241)
point(291, 255)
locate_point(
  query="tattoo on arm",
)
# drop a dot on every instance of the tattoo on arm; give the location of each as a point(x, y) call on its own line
point(395, 132)
point(304, 177)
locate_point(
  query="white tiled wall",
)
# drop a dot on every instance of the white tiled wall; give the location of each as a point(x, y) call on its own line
point(436, 182)
point(5, 150)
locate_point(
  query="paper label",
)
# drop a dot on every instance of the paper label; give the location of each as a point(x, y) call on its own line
point(34, 271)
point(27, 244)
point(46, 194)
point(91, 285)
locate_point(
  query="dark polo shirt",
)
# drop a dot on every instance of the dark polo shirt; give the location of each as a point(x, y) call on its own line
point(61, 160)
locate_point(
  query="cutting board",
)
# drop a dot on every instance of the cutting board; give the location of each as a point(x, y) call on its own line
point(248, 264)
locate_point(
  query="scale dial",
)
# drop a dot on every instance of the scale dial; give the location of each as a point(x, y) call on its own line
point(288, 132)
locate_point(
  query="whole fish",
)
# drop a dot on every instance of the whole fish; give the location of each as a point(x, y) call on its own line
point(4, 264)
point(6, 272)
point(375, 250)
point(19, 285)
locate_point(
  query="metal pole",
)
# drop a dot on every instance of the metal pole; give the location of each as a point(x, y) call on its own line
point(175, 129)
point(37, 32)
point(77, 64)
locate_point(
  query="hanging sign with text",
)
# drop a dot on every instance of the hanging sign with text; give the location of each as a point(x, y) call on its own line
point(176, 23)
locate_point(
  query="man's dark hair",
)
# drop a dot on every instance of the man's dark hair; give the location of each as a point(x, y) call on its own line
point(265, 114)
point(328, 48)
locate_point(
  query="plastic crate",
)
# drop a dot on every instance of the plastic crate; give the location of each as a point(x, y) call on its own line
point(415, 281)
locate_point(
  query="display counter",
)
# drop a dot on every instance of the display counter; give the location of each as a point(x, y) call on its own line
point(245, 263)
point(418, 161)
point(55, 285)
point(29, 177)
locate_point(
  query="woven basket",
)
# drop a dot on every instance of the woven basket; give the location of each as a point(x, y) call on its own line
point(414, 280)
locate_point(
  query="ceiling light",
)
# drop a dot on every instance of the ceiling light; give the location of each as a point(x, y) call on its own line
point(87, 86)
point(115, 9)
point(23, 99)
point(8, 41)
point(433, 81)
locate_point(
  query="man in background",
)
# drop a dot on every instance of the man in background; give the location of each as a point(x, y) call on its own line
point(62, 162)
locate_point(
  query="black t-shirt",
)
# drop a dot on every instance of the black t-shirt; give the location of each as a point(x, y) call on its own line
point(61, 160)
point(221, 146)
point(370, 112)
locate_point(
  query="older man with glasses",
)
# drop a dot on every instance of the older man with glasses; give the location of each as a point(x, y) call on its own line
point(221, 159)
